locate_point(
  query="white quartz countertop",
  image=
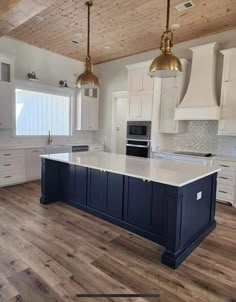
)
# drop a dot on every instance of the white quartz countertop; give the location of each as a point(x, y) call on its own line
point(161, 171)
point(215, 156)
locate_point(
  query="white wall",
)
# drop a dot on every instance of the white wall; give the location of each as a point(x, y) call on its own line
point(49, 68)
point(114, 77)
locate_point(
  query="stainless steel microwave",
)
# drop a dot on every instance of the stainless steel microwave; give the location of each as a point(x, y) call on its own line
point(139, 130)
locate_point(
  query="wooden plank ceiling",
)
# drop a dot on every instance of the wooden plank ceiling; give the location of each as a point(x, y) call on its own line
point(13, 13)
point(119, 28)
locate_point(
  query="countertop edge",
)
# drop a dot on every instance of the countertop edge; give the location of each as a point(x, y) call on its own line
point(134, 175)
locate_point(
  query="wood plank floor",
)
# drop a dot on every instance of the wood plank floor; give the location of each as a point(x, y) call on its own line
point(55, 253)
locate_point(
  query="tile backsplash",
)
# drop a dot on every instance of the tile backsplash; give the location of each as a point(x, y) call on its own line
point(201, 136)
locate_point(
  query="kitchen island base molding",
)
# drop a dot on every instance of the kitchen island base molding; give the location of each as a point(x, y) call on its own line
point(178, 218)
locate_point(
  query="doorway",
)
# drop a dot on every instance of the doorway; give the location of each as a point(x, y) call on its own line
point(120, 111)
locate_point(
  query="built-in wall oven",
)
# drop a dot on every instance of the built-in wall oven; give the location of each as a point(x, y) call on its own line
point(138, 138)
point(138, 148)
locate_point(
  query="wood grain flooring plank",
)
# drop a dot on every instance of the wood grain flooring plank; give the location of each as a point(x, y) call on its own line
point(68, 252)
point(32, 288)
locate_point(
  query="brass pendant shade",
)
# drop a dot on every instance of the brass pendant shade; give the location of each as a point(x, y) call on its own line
point(88, 79)
point(166, 65)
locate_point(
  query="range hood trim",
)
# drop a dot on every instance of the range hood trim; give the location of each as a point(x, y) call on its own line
point(198, 113)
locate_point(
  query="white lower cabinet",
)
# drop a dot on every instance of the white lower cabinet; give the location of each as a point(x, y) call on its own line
point(17, 166)
point(226, 181)
point(12, 167)
point(33, 163)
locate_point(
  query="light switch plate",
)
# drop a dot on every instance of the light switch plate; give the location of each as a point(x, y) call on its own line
point(199, 195)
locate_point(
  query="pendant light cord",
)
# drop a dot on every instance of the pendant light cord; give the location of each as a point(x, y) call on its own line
point(168, 16)
point(89, 4)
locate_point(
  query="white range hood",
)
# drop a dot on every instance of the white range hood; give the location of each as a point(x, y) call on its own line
point(199, 102)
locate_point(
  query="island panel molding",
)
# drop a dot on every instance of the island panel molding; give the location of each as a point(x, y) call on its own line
point(178, 218)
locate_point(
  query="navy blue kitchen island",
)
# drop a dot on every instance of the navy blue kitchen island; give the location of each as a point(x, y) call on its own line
point(172, 204)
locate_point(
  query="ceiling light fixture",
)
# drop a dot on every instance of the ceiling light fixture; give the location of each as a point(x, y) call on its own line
point(166, 65)
point(87, 79)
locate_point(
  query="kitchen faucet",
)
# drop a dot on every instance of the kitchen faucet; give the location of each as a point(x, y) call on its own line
point(49, 138)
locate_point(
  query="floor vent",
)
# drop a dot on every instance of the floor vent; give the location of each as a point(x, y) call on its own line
point(184, 6)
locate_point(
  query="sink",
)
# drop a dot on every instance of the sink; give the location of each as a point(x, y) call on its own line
point(52, 149)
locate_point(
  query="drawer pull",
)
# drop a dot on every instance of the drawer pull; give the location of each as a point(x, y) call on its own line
point(7, 176)
point(223, 192)
point(225, 166)
point(7, 165)
point(35, 151)
point(222, 177)
point(7, 154)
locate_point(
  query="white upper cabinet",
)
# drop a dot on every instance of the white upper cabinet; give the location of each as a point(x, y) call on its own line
point(6, 69)
point(172, 92)
point(87, 109)
point(227, 124)
point(7, 91)
point(140, 86)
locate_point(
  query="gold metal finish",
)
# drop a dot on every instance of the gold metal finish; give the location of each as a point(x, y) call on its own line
point(88, 78)
point(166, 65)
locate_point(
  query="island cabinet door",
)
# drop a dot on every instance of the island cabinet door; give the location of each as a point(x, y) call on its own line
point(115, 190)
point(81, 185)
point(67, 177)
point(97, 190)
point(138, 194)
point(105, 192)
point(144, 205)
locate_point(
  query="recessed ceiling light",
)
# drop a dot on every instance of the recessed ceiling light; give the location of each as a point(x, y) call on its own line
point(38, 18)
point(175, 26)
point(79, 35)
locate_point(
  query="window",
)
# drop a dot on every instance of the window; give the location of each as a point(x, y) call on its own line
point(37, 113)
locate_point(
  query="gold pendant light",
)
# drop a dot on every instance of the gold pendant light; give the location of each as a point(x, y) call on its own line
point(166, 65)
point(87, 79)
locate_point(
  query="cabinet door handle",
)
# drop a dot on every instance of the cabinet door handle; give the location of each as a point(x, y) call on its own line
point(35, 151)
point(7, 165)
point(222, 177)
point(225, 166)
point(223, 192)
point(7, 176)
point(7, 154)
